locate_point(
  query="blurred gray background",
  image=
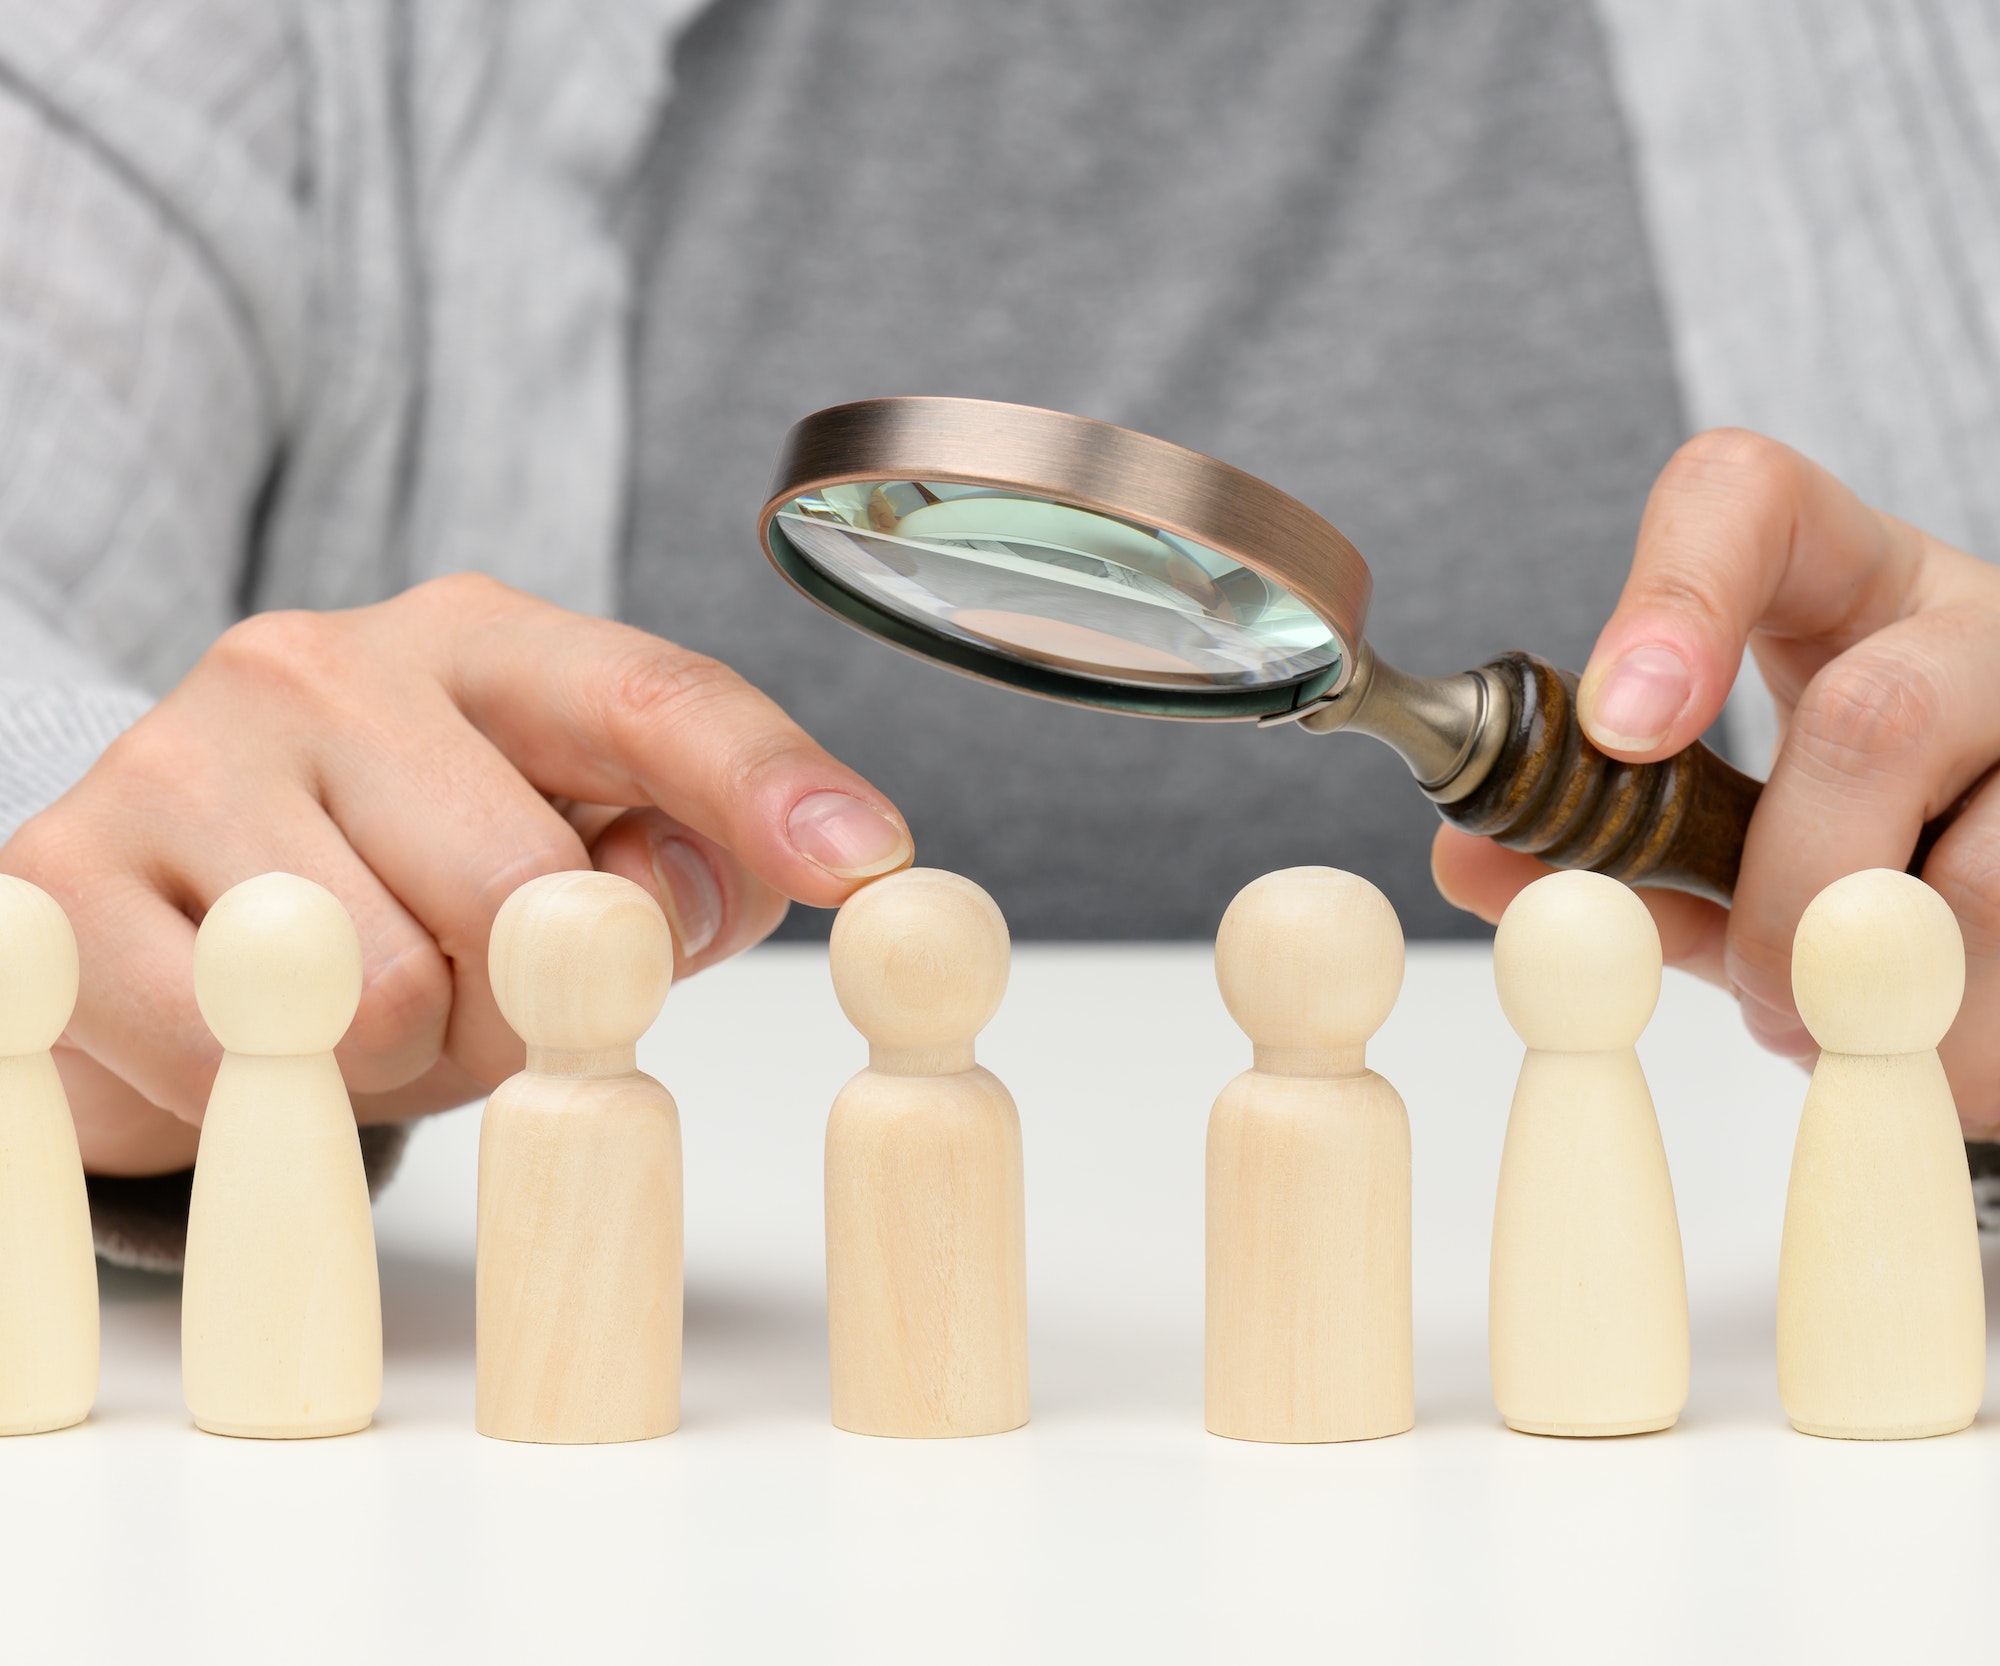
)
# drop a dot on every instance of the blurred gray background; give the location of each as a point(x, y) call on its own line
point(1388, 256)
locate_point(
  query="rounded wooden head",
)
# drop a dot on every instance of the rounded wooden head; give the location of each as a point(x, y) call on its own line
point(1577, 963)
point(37, 968)
point(277, 967)
point(919, 959)
point(580, 961)
point(1310, 958)
point(1878, 965)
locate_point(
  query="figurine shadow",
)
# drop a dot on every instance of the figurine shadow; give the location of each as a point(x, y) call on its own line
point(751, 1353)
point(761, 1352)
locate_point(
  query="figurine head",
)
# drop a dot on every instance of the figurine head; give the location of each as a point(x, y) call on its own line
point(277, 967)
point(1577, 963)
point(919, 960)
point(580, 961)
point(1309, 958)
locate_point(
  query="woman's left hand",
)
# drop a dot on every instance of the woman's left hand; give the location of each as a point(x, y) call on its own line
point(1881, 647)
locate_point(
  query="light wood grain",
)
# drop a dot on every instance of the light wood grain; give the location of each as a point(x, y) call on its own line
point(48, 1270)
point(580, 1248)
point(925, 1224)
point(1881, 1303)
point(1587, 1331)
point(579, 1281)
point(1308, 1333)
point(281, 1316)
point(927, 1301)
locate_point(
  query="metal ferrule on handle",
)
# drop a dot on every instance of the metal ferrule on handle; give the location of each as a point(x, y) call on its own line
point(1502, 753)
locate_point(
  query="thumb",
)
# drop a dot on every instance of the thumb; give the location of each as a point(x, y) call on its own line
point(600, 713)
point(1739, 532)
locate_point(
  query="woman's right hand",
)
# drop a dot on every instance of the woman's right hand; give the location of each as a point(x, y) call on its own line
point(420, 758)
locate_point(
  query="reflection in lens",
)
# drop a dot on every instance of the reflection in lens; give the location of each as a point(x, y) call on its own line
point(1055, 585)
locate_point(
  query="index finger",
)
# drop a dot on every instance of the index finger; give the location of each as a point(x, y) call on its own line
point(1740, 533)
point(588, 709)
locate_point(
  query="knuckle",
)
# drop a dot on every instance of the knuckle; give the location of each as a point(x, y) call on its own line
point(460, 593)
point(650, 690)
point(292, 651)
point(81, 856)
point(1737, 460)
point(1690, 595)
point(150, 789)
point(149, 760)
point(142, 775)
point(651, 693)
point(756, 759)
point(40, 847)
point(1861, 713)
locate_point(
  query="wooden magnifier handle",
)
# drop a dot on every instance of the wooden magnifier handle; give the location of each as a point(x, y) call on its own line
point(1678, 823)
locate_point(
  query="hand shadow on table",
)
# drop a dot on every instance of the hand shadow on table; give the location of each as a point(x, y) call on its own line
point(751, 1353)
point(428, 1309)
point(427, 1306)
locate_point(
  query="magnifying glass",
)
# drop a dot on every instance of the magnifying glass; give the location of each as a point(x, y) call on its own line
point(1100, 566)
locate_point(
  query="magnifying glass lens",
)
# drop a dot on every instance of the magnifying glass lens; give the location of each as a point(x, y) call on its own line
point(1051, 584)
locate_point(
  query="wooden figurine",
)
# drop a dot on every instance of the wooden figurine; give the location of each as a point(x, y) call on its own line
point(1309, 1322)
point(1881, 1307)
point(48, 1269)
point(281, 1307)
point(926, 1266)
point(1587, 1325)
point(579, 1282)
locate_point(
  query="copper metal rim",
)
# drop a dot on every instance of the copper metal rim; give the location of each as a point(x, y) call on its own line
point(1093, 465)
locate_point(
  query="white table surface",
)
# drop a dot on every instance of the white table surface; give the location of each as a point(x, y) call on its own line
point(1111, 1528)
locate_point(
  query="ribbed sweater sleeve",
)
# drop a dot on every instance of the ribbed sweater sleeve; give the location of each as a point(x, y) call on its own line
point(148, 183)
point(50, 734)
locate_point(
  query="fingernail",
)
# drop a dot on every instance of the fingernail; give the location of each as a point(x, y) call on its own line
point(1774, 1030)
point(846, 837)
point(688, 892)
point(1634, 704)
